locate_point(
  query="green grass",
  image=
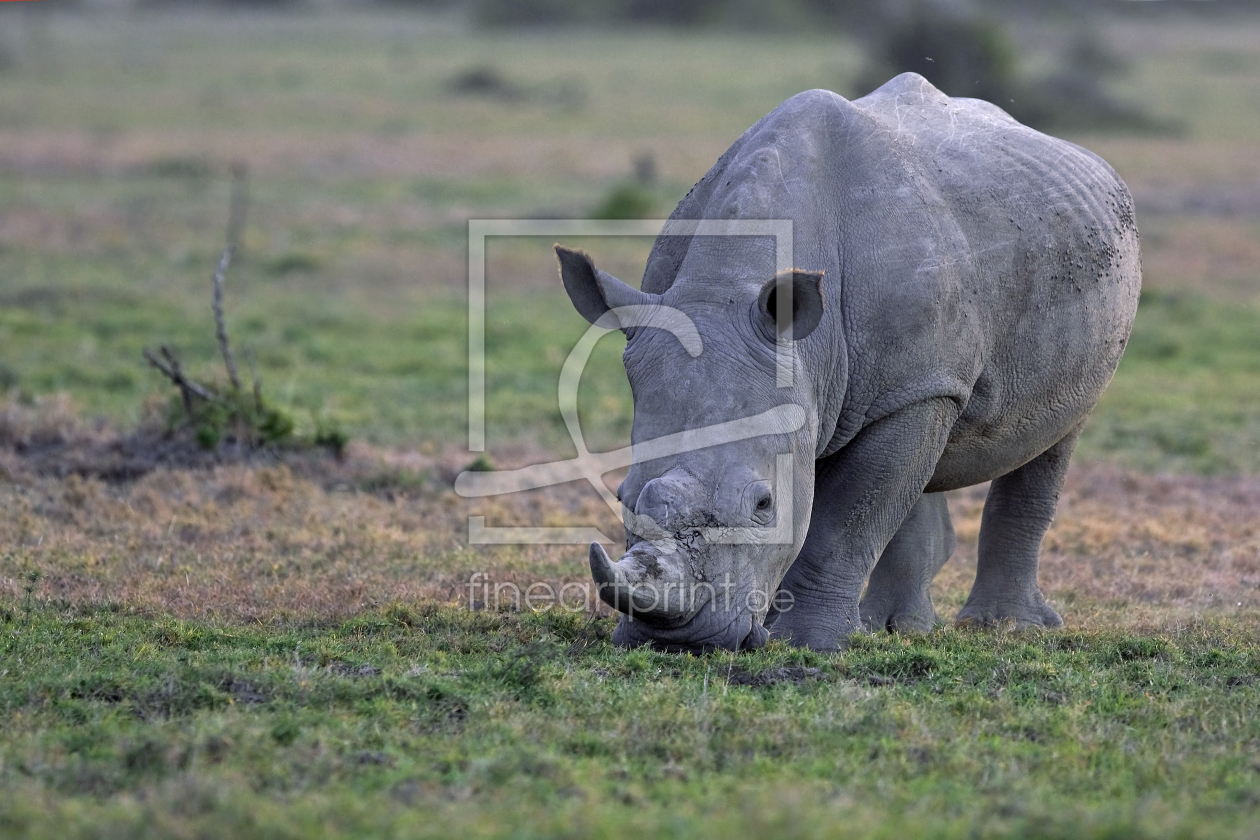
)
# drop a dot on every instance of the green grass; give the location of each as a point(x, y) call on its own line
point(1187, 395)
point(400, 379)
point(439, 721)
point(365, 169)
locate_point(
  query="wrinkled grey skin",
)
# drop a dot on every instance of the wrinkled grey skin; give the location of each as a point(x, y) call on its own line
point(978, 284)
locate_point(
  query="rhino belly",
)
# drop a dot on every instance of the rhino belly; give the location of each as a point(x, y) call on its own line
point(975, 455)
point(1017, 409)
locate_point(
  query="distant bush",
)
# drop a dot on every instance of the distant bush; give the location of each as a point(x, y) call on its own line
point(223, 4)
point(628, 200)
point(8, 378)
point(427, 5)
point(863, 16)
point(291, 262)
point(191, 167)
point(760, 15)
point(484, 80)
point(1071, 99)
point(671, 12)
point(534, 12)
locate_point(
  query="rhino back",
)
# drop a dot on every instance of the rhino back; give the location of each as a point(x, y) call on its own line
point(966, 256)
point(1050, 270)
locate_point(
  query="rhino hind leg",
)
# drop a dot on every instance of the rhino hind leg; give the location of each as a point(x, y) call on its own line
point(898, 595)
point(1017, 513)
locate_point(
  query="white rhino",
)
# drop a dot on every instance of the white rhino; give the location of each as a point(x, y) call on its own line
point(962, 291)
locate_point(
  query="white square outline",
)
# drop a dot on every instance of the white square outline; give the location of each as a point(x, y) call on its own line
point(479, 229)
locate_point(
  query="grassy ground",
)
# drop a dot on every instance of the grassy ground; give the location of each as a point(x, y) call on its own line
point(443, 722)
point(288, 651)
point(285, 648)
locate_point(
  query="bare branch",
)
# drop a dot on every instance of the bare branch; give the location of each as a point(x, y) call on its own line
point(236, 221)
point(172, 371)
point(220, 331)
point(253, 373)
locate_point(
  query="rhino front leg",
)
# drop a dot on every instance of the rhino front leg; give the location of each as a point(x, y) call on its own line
point(1017, 513)
point(898, 595)
point(863, 494)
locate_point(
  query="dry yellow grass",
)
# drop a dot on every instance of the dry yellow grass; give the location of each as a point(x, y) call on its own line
point(316, 540)
point(1132, 549)
point(267, 537)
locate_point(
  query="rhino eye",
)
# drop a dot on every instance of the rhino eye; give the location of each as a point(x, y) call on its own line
point(765, 502)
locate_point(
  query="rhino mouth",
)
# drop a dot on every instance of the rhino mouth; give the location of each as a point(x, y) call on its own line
point(670, 605)
point(700, 635)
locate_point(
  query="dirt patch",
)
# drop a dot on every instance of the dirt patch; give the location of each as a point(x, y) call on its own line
point(128, 457)
point(47, 438)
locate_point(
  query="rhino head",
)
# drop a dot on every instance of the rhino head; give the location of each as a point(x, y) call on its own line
point(717, 500)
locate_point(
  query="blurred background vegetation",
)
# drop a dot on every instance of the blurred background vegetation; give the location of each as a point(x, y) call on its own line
point(374, 131)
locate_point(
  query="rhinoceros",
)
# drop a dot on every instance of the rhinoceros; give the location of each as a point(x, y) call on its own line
point(961, 289)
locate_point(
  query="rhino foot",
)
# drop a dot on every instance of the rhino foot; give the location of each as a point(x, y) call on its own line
point(826, 636)
point(898, 595)
point(910, 615)
point(1024, 613)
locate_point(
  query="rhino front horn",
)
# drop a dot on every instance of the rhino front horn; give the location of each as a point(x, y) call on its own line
point(615, 593)
point(659, 596)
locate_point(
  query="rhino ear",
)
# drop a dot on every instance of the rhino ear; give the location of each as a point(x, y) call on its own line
point(592, 291)
point(797, 320)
